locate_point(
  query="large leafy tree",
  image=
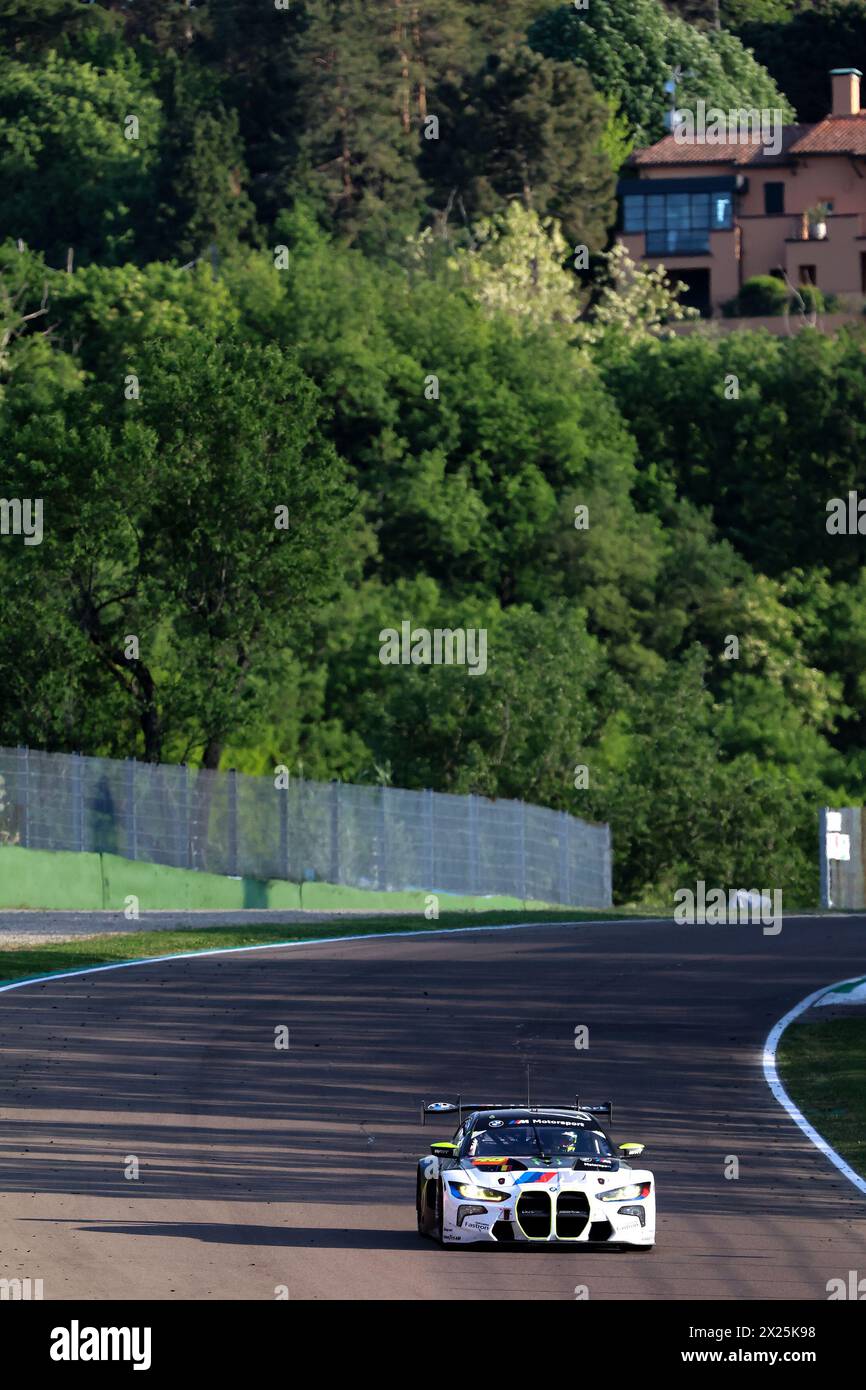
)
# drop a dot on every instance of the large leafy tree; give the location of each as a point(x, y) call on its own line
point(517, 730)
point(467, 430)
point(709, 414)
point(78, 149)
point(160, 525)
point(630, 51)
point(515, 265)
point(25, 307)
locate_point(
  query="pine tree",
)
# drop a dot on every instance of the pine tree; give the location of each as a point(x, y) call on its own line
point(203, 200)
point(435, 42)
point(531, 128)
point(358, 151)
point(208, 204)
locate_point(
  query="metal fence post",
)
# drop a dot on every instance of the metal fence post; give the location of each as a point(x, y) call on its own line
point(131, 822)
point(474, 855)
point(77, 804)
point(283, 803)
point(335, 833)
point(185, 829)
point(521, 843)
point(608, 867)
point(22, 793)
point(564, 885)
point(431, 847)
point(383, 841)
point(232, 792)
point(823, 861)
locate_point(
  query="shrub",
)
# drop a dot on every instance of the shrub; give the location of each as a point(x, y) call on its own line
point(763, 294)
point(812, 298)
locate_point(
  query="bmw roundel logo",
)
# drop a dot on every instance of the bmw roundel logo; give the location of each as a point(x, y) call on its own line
point(441, 1105)
point(495, 1123)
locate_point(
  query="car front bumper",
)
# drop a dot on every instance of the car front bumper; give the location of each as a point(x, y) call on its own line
point(568, 1215)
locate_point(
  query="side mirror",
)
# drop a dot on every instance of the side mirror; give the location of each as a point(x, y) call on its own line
point(631, 1150)
point(443, 1148)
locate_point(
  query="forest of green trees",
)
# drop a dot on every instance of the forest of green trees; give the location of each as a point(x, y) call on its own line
point(346, 263)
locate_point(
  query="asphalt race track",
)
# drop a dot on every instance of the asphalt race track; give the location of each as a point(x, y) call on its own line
point(263, 1168)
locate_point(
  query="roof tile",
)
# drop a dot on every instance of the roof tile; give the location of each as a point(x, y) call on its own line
point(833, 135)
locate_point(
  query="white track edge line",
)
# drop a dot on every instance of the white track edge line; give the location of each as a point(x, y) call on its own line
point(771, 1076)
point(321, 941)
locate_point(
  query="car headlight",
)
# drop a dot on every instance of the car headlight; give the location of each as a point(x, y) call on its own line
point(631, 1193)
point(473, 1193)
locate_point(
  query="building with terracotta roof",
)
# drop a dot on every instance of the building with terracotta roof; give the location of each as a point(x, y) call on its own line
point(719, 200)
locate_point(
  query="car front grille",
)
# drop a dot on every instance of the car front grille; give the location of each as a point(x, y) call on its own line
point(572, 1214)
point(533, 1214)
point(569, 1219)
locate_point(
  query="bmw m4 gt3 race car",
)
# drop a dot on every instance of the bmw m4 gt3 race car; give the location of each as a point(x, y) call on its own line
point(537, 1174)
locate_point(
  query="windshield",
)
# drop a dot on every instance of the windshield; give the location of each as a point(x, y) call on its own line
point(566, 1140)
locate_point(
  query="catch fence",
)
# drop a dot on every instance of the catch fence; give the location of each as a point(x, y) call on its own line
point(364, 836)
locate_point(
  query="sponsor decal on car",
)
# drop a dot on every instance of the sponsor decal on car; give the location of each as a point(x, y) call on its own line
point(562, 1121)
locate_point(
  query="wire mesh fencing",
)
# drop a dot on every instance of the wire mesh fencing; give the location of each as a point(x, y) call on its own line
point(252, 827)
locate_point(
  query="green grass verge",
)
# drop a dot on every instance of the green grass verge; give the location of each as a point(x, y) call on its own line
point(19, 962)
point(823, 1069)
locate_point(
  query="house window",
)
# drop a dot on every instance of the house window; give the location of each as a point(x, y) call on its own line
point(808, 275)
point(774, 199)
point(700, 209)
point(677, 221)
point(633, 219)
point(671, 240)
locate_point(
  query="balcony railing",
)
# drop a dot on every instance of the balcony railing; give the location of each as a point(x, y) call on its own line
point(815, 229)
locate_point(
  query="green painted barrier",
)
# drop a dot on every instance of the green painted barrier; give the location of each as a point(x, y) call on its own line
point(33, 878)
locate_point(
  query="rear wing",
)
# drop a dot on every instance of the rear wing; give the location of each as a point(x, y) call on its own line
point(604, 1109)
point(458, 1108)
point(462, 1107)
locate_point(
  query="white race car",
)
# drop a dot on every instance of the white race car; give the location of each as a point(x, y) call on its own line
point(543, 1174)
